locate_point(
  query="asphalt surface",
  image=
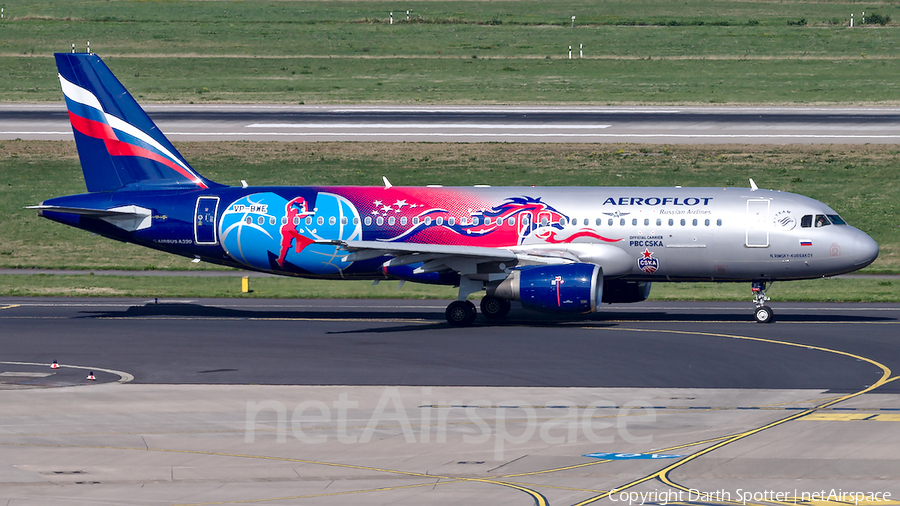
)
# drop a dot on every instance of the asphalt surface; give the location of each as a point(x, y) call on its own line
point(400, 342)
point(670, 125)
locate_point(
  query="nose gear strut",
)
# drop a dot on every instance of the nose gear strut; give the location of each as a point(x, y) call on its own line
point(763, 313)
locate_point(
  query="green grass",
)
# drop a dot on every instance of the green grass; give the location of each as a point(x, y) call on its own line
point(860, 182)
point(460, 52)
point(826, 290)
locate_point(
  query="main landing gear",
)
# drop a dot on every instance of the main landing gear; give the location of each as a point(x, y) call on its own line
point(461, 313)
point(494, 307)
point(763, 313)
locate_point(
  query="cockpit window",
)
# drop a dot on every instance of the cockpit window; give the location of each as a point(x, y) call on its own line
point(837, 220)
point(806, 221)
point(822, 221)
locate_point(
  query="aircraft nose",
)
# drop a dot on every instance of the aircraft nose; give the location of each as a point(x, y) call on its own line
point(866, 250)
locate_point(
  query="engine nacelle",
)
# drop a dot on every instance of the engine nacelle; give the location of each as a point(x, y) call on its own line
point(620, 291)
point(570, 288)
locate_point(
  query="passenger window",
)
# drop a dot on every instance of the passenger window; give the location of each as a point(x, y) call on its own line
point(646, 222)
point(587, 222)
point(695, 222)
point(806, 221)
point(475, 221)
point(343, 220)
point(356, 220)
point(599, 222)
point(634, 222)
point(439, 221)
point(320, 220)
point(249, 220)
point(380, 221)
point(271, 220)
point(427, 220)
point(512, 222)
point(332, 220)
point(368, 220)
point(622, 222)
point(562, 222)
point(284, 220)
point(451, 221)
point(403, 220)
point(610, 222)
point(671, 222)
point(392, 221)
point(719, 222)
point(260, 220)
point(544, 222)
point(309, 220)
point(415, 220)
point(658, 222)
point(682, 222)
point(706, 222)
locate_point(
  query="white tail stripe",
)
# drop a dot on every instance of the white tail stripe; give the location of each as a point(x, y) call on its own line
point(82, 96)
point(78, 94)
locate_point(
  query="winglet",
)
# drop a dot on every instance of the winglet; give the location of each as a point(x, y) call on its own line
point(753, 186)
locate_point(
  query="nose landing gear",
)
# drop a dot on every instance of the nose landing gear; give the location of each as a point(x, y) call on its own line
point(763, 313)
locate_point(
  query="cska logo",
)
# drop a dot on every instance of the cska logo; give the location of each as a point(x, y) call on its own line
point(647, 263)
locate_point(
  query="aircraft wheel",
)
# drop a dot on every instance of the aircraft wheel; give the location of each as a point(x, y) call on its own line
point(764, 314)
point(494, 307)
point(460, 313)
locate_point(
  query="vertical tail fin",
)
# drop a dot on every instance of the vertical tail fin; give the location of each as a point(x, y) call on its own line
point(119, 145)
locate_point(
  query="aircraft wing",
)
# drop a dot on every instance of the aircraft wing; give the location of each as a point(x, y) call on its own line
point(471, 261)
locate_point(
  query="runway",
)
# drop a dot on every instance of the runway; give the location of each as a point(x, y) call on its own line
point(638, 124)
point(227, 401)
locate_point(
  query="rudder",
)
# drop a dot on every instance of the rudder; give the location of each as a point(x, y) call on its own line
point(118, 144)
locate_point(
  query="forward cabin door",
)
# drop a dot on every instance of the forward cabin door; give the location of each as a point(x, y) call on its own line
point(757, 223)
point(205, 220)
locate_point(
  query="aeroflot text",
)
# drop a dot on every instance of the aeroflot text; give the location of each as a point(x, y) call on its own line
point(657, 201)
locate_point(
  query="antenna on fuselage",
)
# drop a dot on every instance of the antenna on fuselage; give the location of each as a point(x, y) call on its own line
point(753, 186)
point(387, 184)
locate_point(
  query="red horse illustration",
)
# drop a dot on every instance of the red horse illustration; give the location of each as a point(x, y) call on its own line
point(295, 211)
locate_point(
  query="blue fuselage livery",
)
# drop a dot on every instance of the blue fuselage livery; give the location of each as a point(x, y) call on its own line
point(559, 249)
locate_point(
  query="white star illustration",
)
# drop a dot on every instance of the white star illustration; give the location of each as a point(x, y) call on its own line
point(387, 208)
point(400, 204)
point(377, 203)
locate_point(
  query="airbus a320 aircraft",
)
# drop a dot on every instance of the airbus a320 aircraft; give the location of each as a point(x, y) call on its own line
point(557, 250)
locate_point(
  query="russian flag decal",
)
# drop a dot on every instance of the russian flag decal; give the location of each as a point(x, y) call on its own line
point(805, 243)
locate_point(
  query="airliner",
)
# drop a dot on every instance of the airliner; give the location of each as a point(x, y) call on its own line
point(563, 250)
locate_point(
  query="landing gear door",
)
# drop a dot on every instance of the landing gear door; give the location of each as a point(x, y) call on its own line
point(205, 220)
point(757, 223)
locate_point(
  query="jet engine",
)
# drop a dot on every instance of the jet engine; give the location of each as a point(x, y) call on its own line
point(570, 288)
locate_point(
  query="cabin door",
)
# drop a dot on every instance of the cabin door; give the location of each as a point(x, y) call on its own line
point(205, 220)
point(757, 223)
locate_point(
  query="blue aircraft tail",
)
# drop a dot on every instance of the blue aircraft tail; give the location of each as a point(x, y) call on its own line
point(119, 145)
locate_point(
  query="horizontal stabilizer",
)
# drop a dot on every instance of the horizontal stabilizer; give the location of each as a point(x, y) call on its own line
point(129, 218)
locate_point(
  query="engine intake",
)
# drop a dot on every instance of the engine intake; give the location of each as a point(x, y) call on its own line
point(571, 288)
